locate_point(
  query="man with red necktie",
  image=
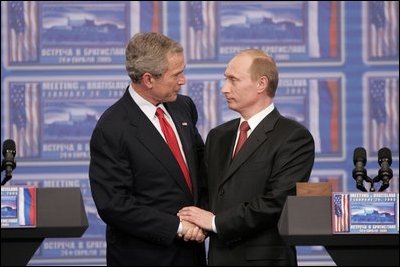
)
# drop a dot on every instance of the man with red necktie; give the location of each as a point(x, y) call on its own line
point(145, 161)
point(253, 163)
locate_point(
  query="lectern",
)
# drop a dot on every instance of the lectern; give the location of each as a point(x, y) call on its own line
point(307, 221)
point(60, 213)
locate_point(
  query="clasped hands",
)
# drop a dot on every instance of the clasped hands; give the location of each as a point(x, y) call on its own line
point(196, 223)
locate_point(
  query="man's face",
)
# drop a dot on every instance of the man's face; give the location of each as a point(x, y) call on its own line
point(239, 89)
point(167, 87)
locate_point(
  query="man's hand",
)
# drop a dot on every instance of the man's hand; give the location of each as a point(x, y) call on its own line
point(191, 232)
point(195, 215)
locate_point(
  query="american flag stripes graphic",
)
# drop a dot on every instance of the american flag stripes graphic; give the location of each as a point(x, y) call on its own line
point(23, 31)
point(205, 95)
point(341, 213)
point(202, 29)
point(384, 106)
point(384, 27)
point(25, 118)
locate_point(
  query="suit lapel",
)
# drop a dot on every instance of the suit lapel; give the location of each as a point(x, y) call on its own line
point(222, 152)
point(227, 143)
point(148, 135)
point(255, 140)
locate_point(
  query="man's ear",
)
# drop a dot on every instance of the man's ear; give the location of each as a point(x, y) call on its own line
point(147, 80)
point(262, 84)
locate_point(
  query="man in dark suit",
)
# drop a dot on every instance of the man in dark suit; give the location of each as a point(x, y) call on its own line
point(145, 161)
point(253, 164)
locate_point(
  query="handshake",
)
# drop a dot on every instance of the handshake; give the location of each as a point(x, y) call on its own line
point(196, 223)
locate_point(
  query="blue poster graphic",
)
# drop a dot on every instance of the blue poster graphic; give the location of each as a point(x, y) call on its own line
point(52, 34)
point(52, 119)
point(293, 33)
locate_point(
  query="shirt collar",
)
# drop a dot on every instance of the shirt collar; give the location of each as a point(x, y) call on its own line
point(257, 118)
point(148, 108)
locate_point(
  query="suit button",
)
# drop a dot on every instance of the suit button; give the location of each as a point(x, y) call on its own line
point(221, 192)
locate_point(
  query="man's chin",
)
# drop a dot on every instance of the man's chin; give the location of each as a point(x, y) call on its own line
point(231, 105)
point(171, 98)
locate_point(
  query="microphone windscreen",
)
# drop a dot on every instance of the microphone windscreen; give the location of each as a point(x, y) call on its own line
point(8, 145)
point(360, 155)
point(384, 153)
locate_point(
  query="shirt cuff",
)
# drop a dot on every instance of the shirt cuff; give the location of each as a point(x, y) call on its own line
point(214, 227)
point(180, 228)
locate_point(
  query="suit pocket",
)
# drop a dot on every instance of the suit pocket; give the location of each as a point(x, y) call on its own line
point(265, 253)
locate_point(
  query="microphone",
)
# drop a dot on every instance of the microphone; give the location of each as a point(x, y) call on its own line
point(359, 172)
point(385, 172)
point(8, 164)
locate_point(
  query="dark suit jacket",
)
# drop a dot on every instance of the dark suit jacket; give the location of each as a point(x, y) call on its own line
point(138, 187)
point(247, 193)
